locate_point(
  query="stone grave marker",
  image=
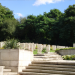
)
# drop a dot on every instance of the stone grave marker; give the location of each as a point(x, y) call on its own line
point(22, 45)
point(73, 44)
point(39, 48)
point(27, 46)
point(48, 48)
point(54, 47)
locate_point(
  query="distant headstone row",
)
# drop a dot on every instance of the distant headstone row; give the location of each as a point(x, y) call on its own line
point(33, 46)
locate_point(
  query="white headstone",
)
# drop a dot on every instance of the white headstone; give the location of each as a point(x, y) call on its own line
point(73, 44)
point(66, 47)
point(54, 47)
point(59, 47)
point(34, 46)
point(31, 46)
point(39, 48)
point(27, 46)
point(63, 46)
point(2, 44)
point(18, 44)
point(44, 45)
point(48, 48)
point(22, 45)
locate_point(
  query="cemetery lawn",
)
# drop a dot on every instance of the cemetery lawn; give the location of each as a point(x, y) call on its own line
point(35, 51)
point(52, 50)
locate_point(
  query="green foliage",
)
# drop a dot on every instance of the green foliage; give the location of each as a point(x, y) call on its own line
point(51, 48)
point(65, 48)
point(70, 11)
point(53, 27)
point(35, 52)
point(11, 44)
point(36, 47)
point(7, 23)
point(44, 50)
point(2, 48)
point(68, 57)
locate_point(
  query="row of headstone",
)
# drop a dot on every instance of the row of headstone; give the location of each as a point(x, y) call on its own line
point(59, 47)
point(40, 47)
point(32, 46)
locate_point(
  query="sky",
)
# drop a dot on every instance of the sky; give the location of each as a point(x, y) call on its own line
point(23, 8)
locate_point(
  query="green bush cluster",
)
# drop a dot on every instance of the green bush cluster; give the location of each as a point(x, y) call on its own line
point(51, 48)
point(68, 57)
point(35, 52)
point(65, 48)
point(11, 44)
point(36, 47)
point(44, 50)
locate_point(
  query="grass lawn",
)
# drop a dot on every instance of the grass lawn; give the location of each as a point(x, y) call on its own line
point(35, 51)
point(52, 50)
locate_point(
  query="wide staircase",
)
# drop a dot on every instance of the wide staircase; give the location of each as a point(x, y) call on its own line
point(8, 72)
point(49, 64)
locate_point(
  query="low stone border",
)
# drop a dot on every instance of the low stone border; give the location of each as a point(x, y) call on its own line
point(66, 52)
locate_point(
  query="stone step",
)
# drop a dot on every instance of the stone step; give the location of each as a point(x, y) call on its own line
point(10, 73)
point(46, 59)
point(51, 56)
point(54, 62)
point(3, 67)
point(49, 71)
point(32, 73)
point(6, 70)
point(50, 65)
point(50, 53)
point(51, 68)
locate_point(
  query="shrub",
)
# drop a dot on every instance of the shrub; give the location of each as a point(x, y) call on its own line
point(65, 48)
point(68, 57)
point(51, 48)
point(35, 51)
point(44, 50)
point(2, 48)
point(11, 44)
point(36, 47)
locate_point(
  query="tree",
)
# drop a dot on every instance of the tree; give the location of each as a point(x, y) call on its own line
point(7, 22)
point(68, 26)
point(55, 14)
point(70, 11)
point(21, 20)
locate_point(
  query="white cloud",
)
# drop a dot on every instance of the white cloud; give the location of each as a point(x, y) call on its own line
point(39, 2)
point(19, 14)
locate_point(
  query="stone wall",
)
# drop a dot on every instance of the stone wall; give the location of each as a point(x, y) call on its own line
point(66, 52)
point(15, 59)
